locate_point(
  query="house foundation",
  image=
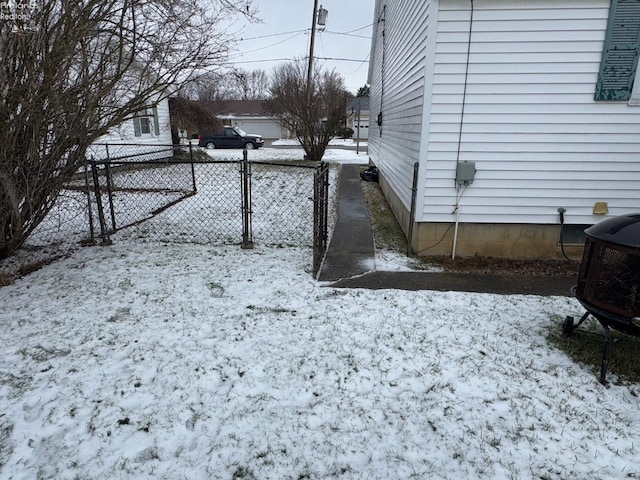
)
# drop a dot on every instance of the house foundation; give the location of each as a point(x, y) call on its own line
point(480, 239)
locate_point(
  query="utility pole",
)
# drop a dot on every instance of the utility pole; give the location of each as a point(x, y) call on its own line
point(313, 39)
point(319, 17)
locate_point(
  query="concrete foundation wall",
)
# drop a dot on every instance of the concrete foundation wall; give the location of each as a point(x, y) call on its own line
point(487, 240)
point(492, 240)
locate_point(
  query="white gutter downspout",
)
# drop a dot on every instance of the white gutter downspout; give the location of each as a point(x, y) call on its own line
point(455, 233)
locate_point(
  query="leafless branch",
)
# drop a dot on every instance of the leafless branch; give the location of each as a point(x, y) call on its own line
point(71, 70)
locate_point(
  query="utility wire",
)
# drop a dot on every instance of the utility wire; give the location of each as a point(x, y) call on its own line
point(358, 29)
point(270, 45)
point(291, 59)
point(349, 33)
point(273, 35)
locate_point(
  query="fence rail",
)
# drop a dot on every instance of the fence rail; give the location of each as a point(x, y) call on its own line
point(180, 194)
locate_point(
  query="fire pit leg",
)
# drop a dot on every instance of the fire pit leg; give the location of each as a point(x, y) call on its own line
point(605, 355)
point(568, 326)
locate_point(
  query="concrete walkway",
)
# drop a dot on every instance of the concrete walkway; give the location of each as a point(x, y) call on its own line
point(350, 251)
point(350, 259)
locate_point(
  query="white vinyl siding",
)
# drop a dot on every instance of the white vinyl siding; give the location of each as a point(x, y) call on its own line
point(121, 139)
point(531, 125)
point(397, 87)
point(159, 123)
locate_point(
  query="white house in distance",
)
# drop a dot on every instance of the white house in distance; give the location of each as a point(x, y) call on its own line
point(252, 117)
point(145, 136)
point(510, 116)
point(358, 116)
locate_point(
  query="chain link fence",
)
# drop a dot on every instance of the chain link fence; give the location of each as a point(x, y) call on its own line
point(180, 194)
point(282, 204)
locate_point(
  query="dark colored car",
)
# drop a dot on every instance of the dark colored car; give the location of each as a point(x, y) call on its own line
point(231, 137)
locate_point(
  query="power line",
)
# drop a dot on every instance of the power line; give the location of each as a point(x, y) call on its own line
point(358, 29)
point(272, 44)
point(349, 33)
point(265, 60)
point(291, 59)
point(343, 59)
point(273, 35)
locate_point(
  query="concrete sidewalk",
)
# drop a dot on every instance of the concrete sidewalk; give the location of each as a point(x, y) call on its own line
point(350, 251)
point(350, 259)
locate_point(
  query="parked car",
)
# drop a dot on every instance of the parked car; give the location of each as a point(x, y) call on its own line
point(231, 137)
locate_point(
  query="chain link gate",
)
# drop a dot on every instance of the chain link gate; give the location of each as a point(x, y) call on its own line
point(252, 205)
point(239, 200)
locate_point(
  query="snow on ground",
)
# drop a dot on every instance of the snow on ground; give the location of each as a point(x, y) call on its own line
point(171, 361)
point(332, 155)
point(336, 142)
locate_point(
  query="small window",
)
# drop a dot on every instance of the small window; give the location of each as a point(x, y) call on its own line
point(145, 123)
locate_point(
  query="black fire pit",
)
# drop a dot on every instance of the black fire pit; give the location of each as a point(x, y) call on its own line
point(609, 279)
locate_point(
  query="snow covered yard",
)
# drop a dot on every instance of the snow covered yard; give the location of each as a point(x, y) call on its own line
point(187, 361)
point(181, 361)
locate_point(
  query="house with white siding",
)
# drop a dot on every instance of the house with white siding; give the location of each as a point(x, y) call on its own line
point(505, 127)
point(358, 117)
point(253, 117)
point(145, 136)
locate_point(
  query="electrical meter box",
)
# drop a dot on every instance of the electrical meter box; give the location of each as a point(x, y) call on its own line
point(465, 173)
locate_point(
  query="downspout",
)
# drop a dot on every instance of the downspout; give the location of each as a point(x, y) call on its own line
point(382, 18)
point(464, 101)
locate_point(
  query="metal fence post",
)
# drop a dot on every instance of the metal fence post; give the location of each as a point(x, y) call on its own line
point(193, 169)
point(103, 227)
point(107, 167)
point(320, 215)
point(90, 211)
point(247, 235)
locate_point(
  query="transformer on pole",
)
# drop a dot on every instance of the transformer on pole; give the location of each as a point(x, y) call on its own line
point(319, 17)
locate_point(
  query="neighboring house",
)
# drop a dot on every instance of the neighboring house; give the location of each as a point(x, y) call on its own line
point(358, 116)
point(145, 136)
point(510, 111)
point(252, 117)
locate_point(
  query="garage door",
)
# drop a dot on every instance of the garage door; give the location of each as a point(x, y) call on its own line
point(266, 128)
point(364, 129)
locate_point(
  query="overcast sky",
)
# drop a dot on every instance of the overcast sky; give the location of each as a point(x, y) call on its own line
point(284, 34)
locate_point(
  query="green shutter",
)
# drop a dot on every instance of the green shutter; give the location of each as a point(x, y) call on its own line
point(620, 53)
point(156, 123)
point(137, 131)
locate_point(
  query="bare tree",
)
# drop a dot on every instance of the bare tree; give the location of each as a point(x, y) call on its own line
point(71, 70)
point(235, 84)
point(315, 116)
point(212, 87)
point(192, 116)
point(253, 85)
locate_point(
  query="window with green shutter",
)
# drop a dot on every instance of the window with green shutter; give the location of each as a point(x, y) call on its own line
point(620, 53)
point(144, 120)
